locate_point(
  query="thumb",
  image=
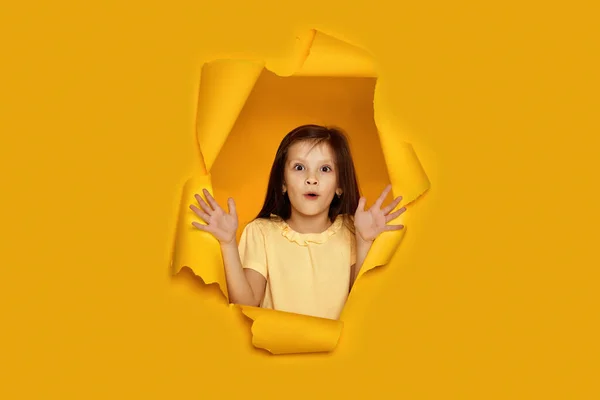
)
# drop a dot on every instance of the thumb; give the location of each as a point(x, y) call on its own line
point(231, 207)
point(361, 204)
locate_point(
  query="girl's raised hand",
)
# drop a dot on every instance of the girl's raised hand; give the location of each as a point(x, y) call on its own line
point(223, 225)
point(369, 224)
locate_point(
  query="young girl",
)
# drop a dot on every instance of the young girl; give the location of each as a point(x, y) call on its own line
point(304, 249)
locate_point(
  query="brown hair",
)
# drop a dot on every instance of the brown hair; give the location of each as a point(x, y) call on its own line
point(278, 203)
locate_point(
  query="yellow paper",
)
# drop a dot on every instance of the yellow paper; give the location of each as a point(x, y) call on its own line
point(224, 88)
point(194, 248)
point(284, 333)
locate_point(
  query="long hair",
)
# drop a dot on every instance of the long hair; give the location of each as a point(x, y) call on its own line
point(278, 203)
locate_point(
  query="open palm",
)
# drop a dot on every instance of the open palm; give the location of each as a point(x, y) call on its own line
point(370, 223)
point(223, 225)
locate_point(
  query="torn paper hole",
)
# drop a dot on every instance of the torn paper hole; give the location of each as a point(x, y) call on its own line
point(244, 110)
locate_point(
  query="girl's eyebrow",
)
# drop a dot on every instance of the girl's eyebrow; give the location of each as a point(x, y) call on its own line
point(327, 161)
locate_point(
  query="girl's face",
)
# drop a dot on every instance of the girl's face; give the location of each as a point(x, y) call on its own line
point(310, 178)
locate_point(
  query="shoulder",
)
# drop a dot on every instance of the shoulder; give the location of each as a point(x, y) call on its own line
point(347, 225)
point(263, 225)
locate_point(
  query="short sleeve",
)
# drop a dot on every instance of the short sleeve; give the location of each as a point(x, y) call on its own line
point(252, 248)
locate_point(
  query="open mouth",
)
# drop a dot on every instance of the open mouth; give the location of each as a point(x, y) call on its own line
point(311, 195)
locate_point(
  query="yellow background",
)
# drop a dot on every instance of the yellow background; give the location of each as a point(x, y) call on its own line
point(493, 293)
point(276, 106)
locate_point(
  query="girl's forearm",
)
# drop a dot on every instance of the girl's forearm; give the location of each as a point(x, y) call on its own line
point(362, 249)
point(240, 291)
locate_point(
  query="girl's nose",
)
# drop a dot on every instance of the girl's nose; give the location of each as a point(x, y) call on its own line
point(311, 181)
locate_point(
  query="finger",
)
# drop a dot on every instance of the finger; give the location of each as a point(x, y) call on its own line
point(394, 215)
point(361, 204)
point(211, 200)
point(381, 198)
point(392, 205)
point(201, 214)
point(231, 207)
point(203, 204)
point(201, 227)
point(393, 227)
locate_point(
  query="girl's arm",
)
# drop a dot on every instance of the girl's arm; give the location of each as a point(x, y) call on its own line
point(371, 223)
point(245, 286)
point(362, 248)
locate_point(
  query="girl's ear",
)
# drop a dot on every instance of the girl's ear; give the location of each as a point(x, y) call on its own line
point(339, 191)
point(283, 188)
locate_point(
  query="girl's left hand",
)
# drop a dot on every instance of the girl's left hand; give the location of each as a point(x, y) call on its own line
point(369, 224)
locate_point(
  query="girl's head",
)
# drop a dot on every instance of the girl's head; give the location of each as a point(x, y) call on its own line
point(312, 159)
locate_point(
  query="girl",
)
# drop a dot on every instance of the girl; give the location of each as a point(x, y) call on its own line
point(303, 251)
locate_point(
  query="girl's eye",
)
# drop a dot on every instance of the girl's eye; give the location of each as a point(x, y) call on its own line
point(299, 167)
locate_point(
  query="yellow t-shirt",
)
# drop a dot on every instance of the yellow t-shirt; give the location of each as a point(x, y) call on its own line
point(306, 273)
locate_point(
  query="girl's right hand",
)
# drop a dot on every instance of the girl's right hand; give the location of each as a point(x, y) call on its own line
point(221, 224)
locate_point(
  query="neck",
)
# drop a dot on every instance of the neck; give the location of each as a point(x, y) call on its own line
point(309, 223)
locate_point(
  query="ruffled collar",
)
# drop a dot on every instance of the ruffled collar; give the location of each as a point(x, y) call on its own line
point(304, 238)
